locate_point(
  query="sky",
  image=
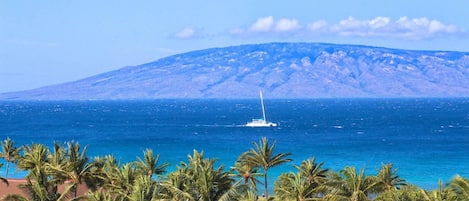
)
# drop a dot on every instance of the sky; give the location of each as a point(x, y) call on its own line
point(50, 41)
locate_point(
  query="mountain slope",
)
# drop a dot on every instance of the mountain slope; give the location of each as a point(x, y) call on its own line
point(281, 70)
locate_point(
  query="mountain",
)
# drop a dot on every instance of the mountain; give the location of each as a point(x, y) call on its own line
point(281, 70)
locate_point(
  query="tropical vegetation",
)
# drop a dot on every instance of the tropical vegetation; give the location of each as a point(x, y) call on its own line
point(65, 172)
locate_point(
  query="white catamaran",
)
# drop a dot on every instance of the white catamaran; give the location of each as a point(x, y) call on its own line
point(261, 122)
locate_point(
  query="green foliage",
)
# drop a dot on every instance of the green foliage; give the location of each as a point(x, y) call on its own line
point(442, 194)
point(199, 179)
point(314, 173)
point(351, 185)
point(387, 179)
point(406, 193)
point(98, 195)
point(291, 186)
point(247, 174)
point(460, 186)
point(40, 185)
point(10, 153)
point(306, 184)
point(263, 156)
point(149, 164)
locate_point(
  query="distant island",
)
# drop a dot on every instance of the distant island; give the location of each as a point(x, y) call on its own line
point(281, 70)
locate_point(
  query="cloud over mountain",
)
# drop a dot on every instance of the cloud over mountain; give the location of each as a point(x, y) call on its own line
point(185, 33)
point(404, 28)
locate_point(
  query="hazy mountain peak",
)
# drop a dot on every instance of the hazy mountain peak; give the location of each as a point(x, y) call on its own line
point(281, 70)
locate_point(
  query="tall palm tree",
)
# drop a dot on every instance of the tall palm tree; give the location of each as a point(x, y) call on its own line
point(149, 164)
point(350, 185)
point(10, 153)
point(262, 155)
point(388, 179)
point(247, 175)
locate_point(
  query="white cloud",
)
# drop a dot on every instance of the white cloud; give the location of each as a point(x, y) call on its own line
point(417, 28)
point(263, 24)
point(379, 22)
point(318, 25)
point(381, 26)
point(268, 25)
point(285, 25)
point(185, 33)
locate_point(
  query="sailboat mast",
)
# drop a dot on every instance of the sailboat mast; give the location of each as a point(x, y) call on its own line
point(262, 104)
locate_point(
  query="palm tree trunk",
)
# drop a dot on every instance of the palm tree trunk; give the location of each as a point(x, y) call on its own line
point(6, 171)
point(265, 185)
point(76, 191)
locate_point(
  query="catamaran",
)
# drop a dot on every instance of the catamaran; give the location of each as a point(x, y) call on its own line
point(261, 122)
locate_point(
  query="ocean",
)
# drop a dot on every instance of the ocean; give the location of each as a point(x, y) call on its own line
point(427, 140)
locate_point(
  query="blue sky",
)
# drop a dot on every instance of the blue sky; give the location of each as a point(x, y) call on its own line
point(49, 42)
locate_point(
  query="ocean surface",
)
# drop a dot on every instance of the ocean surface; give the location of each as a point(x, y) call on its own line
point(426, 139)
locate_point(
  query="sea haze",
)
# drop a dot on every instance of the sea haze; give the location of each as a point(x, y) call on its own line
point(426, 139)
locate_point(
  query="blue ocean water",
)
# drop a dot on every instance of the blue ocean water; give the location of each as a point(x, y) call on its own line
point(426, 139)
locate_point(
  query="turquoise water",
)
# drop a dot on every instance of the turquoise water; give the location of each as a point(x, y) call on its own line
point(426, 139)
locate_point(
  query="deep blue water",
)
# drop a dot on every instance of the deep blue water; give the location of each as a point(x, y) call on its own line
point(426, 139)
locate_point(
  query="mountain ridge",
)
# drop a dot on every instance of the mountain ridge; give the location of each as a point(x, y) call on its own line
point(281, 70)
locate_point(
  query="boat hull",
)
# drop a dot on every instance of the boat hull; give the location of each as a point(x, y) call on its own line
point(261, 124)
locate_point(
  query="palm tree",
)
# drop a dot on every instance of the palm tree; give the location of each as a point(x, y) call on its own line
point(292, 186)
point(250, 195)
point(315, 174)
point(460, 186)
point(442, 194)
point(56, 161)
point(199, 180)
point(262, 155)
point(406, 193)
point(72, 165)
point(40, 184)
point(99, 195)
point(4, 180)
point(350, 185)
point(10, 153)
point(175, 186)
point(149, 164)
point(388, 179)
point(305, 184)
point(144, 189)
point(246, 174)
point(34, 158)
point(122, 180)
point(100, 170)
